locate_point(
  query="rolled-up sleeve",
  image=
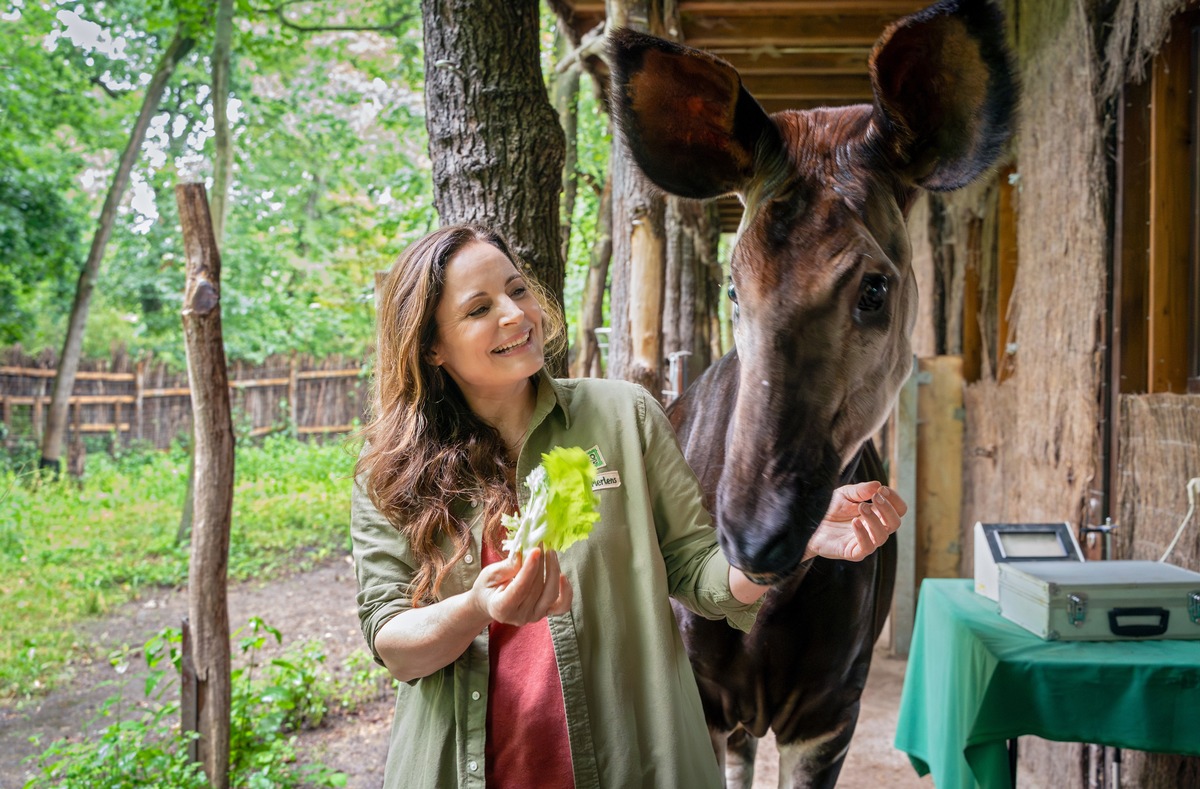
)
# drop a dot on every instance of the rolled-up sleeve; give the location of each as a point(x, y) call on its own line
point(697, 571)
point(382, 564)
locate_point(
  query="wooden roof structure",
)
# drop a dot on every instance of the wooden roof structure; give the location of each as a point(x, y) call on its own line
point(792, 54)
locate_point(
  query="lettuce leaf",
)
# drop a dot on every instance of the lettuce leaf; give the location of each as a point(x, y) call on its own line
point(561, 507)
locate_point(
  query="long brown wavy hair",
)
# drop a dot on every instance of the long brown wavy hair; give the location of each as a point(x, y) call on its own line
point(425, 448)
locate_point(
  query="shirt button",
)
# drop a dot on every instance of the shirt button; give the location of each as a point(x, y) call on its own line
point(475, 695)
point(474, 502)
point(468, 558)
point(472, 766)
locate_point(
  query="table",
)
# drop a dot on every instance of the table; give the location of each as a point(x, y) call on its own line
point(976, 680)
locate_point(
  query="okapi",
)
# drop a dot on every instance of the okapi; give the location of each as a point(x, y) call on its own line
point(825, 302)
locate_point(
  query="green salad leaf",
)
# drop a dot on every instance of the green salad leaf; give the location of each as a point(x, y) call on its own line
point(561, 507)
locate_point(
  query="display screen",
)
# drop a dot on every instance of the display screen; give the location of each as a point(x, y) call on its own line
point(1031, 544)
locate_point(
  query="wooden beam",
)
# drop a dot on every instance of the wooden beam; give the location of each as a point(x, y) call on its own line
point(939, 467)
point(772, 105)
point(311, 374)
point(742, 7)
point(40, 372)
point(1006, 269)
point(794, 60)
point(1170, 214)
point(803, 87)
point(1131, 270)
point(833, 30)
point(971, 364)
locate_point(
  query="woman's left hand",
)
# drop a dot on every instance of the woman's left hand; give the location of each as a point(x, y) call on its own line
point(860, 518)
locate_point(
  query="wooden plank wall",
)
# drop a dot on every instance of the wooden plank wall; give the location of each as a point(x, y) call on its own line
point(149, 402)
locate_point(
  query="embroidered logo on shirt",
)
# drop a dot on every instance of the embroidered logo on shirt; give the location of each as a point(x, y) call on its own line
point(596, 456)
point(606, 479)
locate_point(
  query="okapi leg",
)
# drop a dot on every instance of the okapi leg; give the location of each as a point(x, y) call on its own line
point(740, 748)
point(816, 763)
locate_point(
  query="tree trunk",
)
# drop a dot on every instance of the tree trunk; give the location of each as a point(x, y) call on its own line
point(693, 286)
point(222, 173)
point(494, 138)
point(68, 360)
point(208, 611)
point(223, 138)
point(566, 103)
point(591, 312)
point(639, 243)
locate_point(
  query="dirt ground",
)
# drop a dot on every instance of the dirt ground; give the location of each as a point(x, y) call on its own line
point(319, 605)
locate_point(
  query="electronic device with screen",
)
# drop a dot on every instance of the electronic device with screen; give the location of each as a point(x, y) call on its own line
point(1003, 543)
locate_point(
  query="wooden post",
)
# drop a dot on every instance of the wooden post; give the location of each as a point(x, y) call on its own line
point(939, 467)
point(6, 417)
point(188, 719)
point(1170, 221)
point(208, 377)
point(904, 482)
point(37, 419)
point(1006, 277)
point(139, 386)
point(293, 391)
point(639, 240)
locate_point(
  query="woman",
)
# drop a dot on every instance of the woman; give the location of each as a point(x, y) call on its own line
point(554, 671)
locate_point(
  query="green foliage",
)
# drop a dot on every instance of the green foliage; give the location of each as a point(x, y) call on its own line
point(330, 175)
point(73, 549)
point(292, 693)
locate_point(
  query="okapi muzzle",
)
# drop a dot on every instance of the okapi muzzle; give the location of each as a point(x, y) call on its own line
point(825, 298)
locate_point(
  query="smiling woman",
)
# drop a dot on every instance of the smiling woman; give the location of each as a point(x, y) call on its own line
point(515, 669)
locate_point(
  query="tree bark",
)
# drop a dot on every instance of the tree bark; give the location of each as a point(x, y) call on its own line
point(208, 611)
point(494, 138)
point(591, 312)
point(222, 176)
point(639, 244)
point(693, 285)
point(566, 104)
point(68, 360)
point(223, 139)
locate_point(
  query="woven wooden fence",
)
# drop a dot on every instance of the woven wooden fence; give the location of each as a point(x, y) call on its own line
point(146, 401)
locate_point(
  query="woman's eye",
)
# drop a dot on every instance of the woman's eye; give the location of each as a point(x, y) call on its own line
point(477, 312)
point(519, 292)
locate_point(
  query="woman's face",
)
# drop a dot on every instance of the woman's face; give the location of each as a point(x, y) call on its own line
point(489, 325)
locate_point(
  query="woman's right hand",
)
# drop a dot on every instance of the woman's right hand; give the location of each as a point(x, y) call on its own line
point(518, 591)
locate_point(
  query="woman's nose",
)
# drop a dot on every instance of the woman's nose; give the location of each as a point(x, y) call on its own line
point(510, 312)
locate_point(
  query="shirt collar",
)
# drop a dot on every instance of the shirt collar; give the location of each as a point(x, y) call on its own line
point(550, 395)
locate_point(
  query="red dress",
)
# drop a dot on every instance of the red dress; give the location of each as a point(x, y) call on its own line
point(527, 743)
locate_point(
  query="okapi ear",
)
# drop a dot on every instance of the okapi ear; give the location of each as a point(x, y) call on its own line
point(692, 127)
point(945, 92)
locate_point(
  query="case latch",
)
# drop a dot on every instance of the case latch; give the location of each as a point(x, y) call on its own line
point(1077, 608)
point(1194, 607)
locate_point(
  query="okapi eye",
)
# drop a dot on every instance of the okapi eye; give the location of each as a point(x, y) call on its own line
point(873, 296)
point(732, 293)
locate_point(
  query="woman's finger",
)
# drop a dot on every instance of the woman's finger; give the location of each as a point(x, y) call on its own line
point(550, 588)
point(894, 500)
point(565, 595)
point(518, 598)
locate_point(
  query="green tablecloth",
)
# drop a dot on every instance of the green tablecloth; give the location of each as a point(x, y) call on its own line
point(975, 680)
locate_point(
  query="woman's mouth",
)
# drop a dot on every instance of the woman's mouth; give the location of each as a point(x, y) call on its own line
point(520, 342)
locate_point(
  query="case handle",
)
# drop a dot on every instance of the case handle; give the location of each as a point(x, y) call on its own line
point(1139, 630)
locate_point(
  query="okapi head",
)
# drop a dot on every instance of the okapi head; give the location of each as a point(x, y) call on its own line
point(824, 293)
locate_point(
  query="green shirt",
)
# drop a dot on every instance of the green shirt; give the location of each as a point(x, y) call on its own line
point(634, 717)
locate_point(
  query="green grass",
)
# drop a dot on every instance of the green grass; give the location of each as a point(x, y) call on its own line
point(74, 549)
